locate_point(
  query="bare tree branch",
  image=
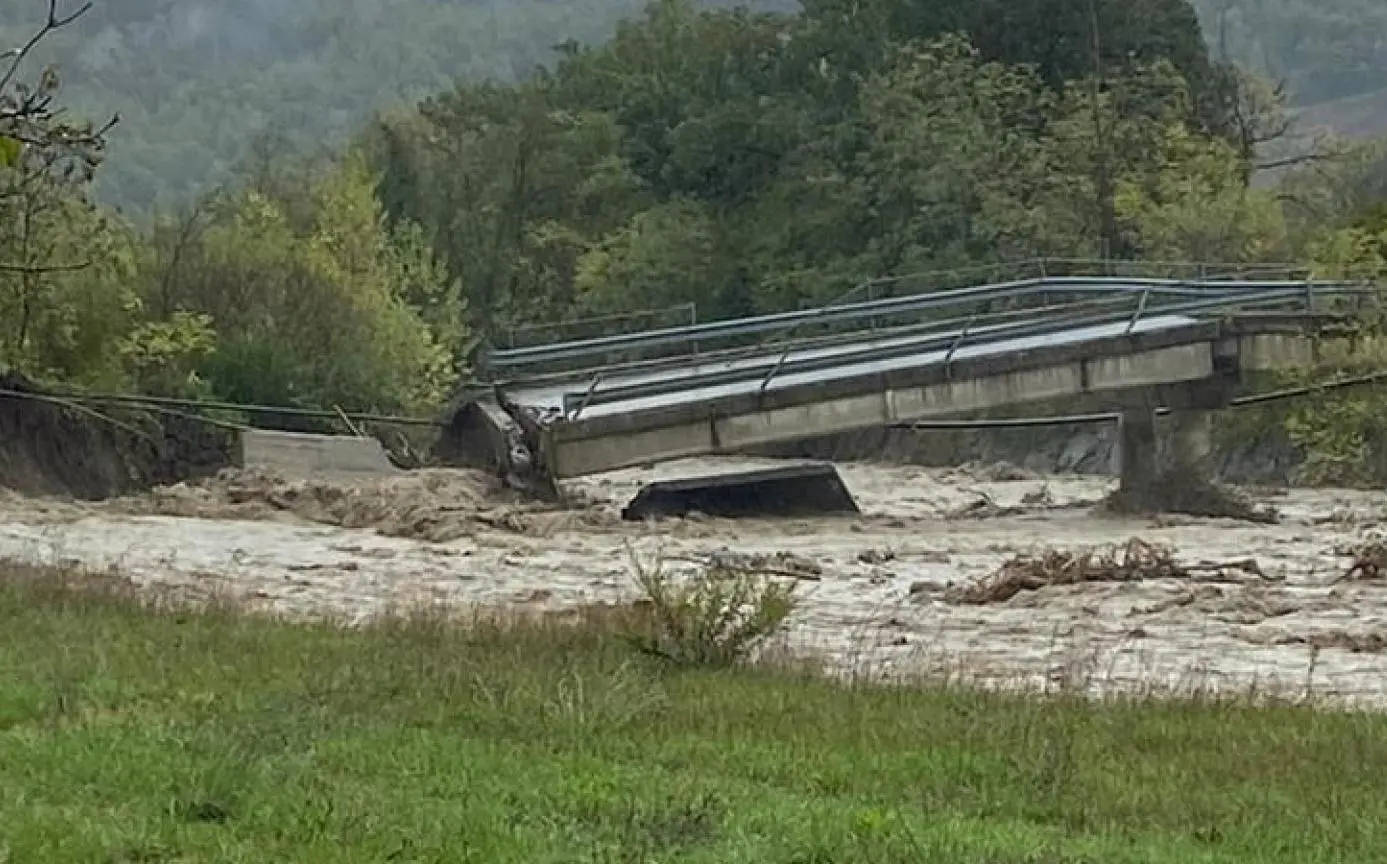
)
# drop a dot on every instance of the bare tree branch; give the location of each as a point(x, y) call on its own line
point(40, 269)
point(29, 117)
point(53, 22)
point(1294, 161)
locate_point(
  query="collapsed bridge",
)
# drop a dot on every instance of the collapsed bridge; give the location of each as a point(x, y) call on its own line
point(573, 407)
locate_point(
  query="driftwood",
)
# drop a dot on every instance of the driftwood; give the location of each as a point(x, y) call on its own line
point(1134, 561)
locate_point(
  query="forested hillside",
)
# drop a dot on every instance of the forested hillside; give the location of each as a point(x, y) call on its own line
point(738, 160)
point(195, 81)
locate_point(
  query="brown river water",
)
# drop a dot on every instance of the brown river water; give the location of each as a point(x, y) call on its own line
point(879, 599)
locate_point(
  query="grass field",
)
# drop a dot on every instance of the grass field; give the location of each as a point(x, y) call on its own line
point(132, 735)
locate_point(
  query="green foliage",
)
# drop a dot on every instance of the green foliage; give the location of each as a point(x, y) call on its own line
point(161, 357)
point(509, 189)
point(1195, 206)
point(194, 83)
point(669, 254)
point(1341, 431)
point(749, 162)
point(211, 736)
point(64, 267)
point(716, 617)
point(322, 315)
point(1342, 439)
point(10, 151)
point(728, 159)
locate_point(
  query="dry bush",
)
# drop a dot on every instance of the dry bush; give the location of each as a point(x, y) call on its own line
point(1134, 561)
point(715, 617)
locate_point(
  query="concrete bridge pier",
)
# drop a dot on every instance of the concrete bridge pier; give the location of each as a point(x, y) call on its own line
point(1162, 459)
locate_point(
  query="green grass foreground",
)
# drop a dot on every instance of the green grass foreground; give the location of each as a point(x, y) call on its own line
point(132, 735)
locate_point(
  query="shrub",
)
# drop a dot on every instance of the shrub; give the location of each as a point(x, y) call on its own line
point(717, 616)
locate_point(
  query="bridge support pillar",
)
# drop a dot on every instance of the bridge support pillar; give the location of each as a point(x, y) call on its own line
point(1161, 460)
point(1139, 455)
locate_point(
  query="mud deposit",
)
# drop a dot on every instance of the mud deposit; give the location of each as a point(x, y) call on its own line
point(48, 447)
point(888, 593)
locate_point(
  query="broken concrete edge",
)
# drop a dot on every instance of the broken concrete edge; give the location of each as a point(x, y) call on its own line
point(492, 433)
point(801, 489)
point(299, 453)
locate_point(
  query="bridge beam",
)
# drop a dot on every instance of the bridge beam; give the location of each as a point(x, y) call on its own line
point(1188, 369)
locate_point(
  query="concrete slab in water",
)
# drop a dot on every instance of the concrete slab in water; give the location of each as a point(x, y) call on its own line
point(793, 490)
point(297, 453)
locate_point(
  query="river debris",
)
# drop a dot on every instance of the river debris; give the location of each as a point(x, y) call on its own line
point(1134, 561)
point(1354, 643)
point(1369, 562)
point(1189, 497)
point(782, 564)
point(983, 507)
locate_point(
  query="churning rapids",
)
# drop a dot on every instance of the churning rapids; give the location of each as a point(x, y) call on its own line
point(874, 587)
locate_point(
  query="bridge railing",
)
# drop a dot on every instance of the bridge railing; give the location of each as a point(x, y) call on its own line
point(884, 316)
point(594, 326)
point(966, 328)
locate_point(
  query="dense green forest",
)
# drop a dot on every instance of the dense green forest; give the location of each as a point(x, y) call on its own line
point(196, 82)
point(738, 159)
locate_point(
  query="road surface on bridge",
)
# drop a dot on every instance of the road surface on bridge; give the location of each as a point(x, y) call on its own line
point(551, 397)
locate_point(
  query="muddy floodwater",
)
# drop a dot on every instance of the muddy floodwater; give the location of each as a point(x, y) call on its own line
point(878, 590)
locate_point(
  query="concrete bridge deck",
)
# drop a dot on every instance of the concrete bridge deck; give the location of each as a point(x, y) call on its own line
point(1169, 361)
point(1139, 343)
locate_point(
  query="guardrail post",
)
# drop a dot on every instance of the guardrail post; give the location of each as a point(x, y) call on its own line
point(1137, 313)
point(957, 343)
point(779, 361)
point(587, 397)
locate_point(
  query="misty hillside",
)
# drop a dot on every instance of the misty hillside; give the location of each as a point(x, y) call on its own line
point(1324, 49)
point(195, 81)
point(1332, 55)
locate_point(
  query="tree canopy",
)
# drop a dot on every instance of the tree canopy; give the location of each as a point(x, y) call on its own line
point(195, 82)
point(719, 158)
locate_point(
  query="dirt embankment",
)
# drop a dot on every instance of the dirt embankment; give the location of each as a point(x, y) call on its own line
point(53, 448)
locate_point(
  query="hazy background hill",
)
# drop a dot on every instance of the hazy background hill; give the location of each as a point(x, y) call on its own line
point(195, 81)
point(1332, 54)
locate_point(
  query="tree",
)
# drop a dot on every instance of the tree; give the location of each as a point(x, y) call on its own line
point(321, 314)
point(669, 254)
point(62, 265)
point(510, 188)
point(1195, 205)
point(951, 157)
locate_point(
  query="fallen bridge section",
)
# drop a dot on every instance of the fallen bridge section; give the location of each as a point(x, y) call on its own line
point(1163, 360)
point(792, 490)
point(301, 454)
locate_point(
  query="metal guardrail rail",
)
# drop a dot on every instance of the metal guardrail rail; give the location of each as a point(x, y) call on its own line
point(562, 330)
point(899, 318)
point(955, 333)
point(693, 338)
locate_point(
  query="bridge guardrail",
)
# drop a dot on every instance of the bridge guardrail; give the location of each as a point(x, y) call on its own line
point(912, 305)
point(959, 332)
